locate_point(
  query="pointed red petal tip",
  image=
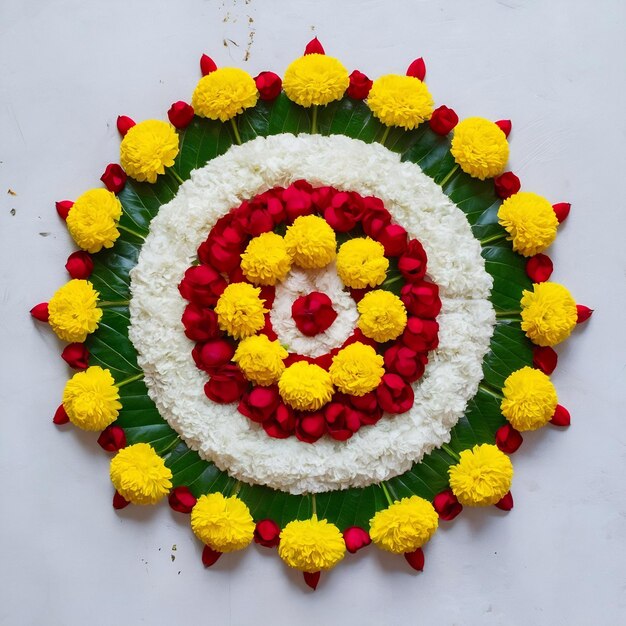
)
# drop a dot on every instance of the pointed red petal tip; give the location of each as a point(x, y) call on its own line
point(505, 126)
point(119, 501)
point(561, 210)
point(210, 556)
point(561, 416)
point(312, 579)
point(417, 69)
point(447, 505)
point(506, 503)
point(584, 313)
point(60, 416)
point(545, 359)
point(124, 124)
point(40, 312)
point(63, 208)
point(182, 500)
point(539, 268)
point(207, 65)
point(415, 559)
point(314, 47)
point(508, 439)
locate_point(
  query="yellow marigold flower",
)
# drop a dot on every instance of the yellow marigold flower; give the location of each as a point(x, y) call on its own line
point(482, 476)
point(240, 310)
point(311, 545)
point(305, 386)
point(260, 359)
point(382, 315)
point(74, 311)
point(529, 399)
point(405, 525)
point(91, 399)
point(480, 147)
point(224, 93)
point(147, 149)
point(266, 260)
point(223, 524)
point(315, 79)
point(92, 220)
point(530, 221)
point(140, 475)
point(548, 313)
point(357, 369)
point(311, 242)
point(361, 262)
point(400, 101)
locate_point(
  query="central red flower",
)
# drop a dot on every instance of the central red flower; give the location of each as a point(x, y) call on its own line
point(313, 314)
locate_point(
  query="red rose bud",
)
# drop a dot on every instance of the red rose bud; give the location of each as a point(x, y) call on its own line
point(212, 354)
point(421, 299)
point(312, 579)
point(545, 359)
point(124, 124)
point(506, 502)
point(561, 416)
point(415, 559)
point(180, 114)
point(367, 405)
point(412, 264)
point(63, 208)
point(119, 501)
point(226, 384)
point(447, 505)
point(375, 216)
point(584, 313)
point(269, 85)
point(298, 200)
point(79, 265)
point(311, 426)
point(342, 420)
point(207, 65)
point(417, 69)
point(252, 219)
point(114, 177)
point(561, 210)
point(359, 86)
point(314, 47)
point(407, 363)
point(394, 394)
point(202, 285)
point(112, 438)
point(76, 355)
point(283, 423)
point(443, 120)
point(356, 538)
point(60, 416)
point(210, 556)
point(394, 239)
point(181, 499)
point(40, 312)
point(506, 185)
point(260, 403)
point(505, 126)
point(200, 323)
point(267, 533)
point(313, 313)
point(420, 335)
point(344, 211)
point(508, 439)
point(539, 268)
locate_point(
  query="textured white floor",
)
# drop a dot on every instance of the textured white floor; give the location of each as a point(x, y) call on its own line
point(556, 69)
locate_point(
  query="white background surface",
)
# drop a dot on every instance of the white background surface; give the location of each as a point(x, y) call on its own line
point(556, 69)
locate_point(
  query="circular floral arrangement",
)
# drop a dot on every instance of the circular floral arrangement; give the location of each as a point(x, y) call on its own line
point(312, 313)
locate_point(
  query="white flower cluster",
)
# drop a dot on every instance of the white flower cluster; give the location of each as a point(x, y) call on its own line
point(233, 442)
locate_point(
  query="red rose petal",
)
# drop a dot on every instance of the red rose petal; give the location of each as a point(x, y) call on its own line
point(415, 559)
point(561, 416)
point(76, 355)
point(267, 533)
point(40, 312)
point(79, 265)
point(539, 268)
point(506, 502)
point(60, 416)
point(269, 85)
point(63, 208)
point(505, 126)
point(417, 69)
point(443, 120)
point(506, 185)
point(508, 439)
point(356, 538)
point(124, 124)
point(114, 177)
point(584, 313)
point(314, 47)
point(180, 114)
point(112, 438)
point(181, 499)
point(119, 501)
point(561, 210)
point(447, 505)
point(312, 579)
point(359, 86)
point(545, 359)
point(207, 65)
point(210, 556)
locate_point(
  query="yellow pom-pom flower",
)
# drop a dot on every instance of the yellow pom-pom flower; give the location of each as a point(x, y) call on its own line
point(400, 101)
point(315, 79)
point(266, 260)
point(382, 315)
point(357, 369)
point(147, 149)
point(482, 476)
point(224, 93)
point(92, 220)
point(73, 311)
point(405, 525)
point(91, 399)
point(305, 386)
point(311, 242)
point(140, 475)
point(260, 359)
point(548, 313)
point(311, 545)
point(530, 221)
point(223, 524)
point(240, 310)
point(361, 262)
point(529, 399)
point(480, 147)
